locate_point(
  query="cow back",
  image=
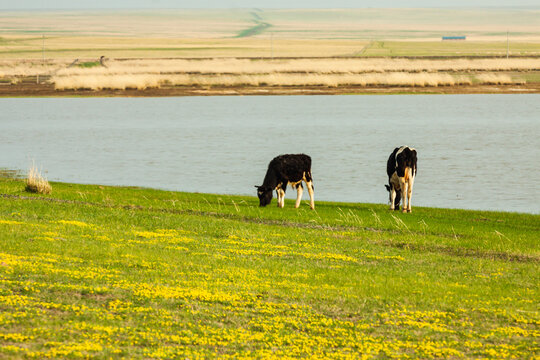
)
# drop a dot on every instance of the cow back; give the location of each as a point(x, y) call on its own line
point(291, 167)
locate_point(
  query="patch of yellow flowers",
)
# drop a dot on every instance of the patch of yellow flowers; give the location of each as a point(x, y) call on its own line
point(54, 305)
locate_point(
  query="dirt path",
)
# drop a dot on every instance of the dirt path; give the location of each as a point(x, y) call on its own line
point(32, 90)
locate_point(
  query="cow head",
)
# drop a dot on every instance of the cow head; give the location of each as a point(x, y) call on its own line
point(265, 195)
point(397, 200)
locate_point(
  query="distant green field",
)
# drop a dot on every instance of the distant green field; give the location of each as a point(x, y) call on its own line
point(450, 48)
point(243, 46)
point(110, 272)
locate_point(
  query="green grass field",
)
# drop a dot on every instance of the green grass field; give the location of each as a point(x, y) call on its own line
point(449, 48)
point(111, 272)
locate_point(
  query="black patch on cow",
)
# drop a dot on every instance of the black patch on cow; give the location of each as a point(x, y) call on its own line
point(405, 159)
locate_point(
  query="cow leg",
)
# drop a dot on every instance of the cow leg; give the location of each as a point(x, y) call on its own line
point(299, 191)
point(281, 198)
point(403, 186)
point(309, 185)
point(409, 193)
point(392, 197)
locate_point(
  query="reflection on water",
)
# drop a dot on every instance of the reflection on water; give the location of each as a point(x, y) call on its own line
point(474, 151)
point(11, 174)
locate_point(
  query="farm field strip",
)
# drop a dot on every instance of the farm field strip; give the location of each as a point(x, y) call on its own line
point(72, 48)
point(263, 66)
point(332, 24)
point(95, 271)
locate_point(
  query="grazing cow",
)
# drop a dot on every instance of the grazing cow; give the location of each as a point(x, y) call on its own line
point(283, 170)
point(401, 170)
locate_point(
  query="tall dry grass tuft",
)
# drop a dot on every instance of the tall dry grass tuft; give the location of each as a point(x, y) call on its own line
point(496, 79)
point(36, 183)
point(99, 82)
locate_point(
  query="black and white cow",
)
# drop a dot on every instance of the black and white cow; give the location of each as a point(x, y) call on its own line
point(401, 170)
point(286, 169)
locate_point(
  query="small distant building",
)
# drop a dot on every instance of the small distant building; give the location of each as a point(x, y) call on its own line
point(454, 38)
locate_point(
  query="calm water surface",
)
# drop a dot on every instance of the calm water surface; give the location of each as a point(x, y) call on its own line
point(474, 151)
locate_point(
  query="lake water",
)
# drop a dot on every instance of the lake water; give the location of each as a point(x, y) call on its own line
point(474, 151)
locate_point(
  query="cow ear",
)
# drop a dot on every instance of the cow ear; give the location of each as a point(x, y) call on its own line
point(387, 187)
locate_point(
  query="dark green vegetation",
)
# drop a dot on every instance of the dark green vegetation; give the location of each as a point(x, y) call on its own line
point(94, 271)
point(444, 49)
point(89, 64)
point(259, 28)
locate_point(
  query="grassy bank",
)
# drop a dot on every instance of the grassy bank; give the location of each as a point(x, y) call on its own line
point(94, 271)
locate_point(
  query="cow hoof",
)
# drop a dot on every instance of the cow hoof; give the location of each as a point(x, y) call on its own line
point(409, 210)
point(404, 211)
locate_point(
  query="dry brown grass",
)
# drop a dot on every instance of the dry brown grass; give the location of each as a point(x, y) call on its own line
point(11, 68)
point(99, 82)
point(319, 66)
point(36, 183)
point(332, 72)
point(497, 79)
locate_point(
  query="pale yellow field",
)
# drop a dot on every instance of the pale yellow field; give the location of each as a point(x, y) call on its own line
point(72, 47)
point(267, 33)
point(358, 47)
point(234, 66)
point(366, 24)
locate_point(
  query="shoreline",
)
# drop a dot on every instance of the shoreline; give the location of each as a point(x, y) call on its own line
point(16, 176)
point(48, 90)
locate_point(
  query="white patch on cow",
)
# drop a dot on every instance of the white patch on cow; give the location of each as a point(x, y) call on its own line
point(394, 186)
point(392, 198)
point(294, 184)
point(409, 190)
point(406, 185)
point(309, 186)
point(299, 191)
point(399, 152)
point(280, 196)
